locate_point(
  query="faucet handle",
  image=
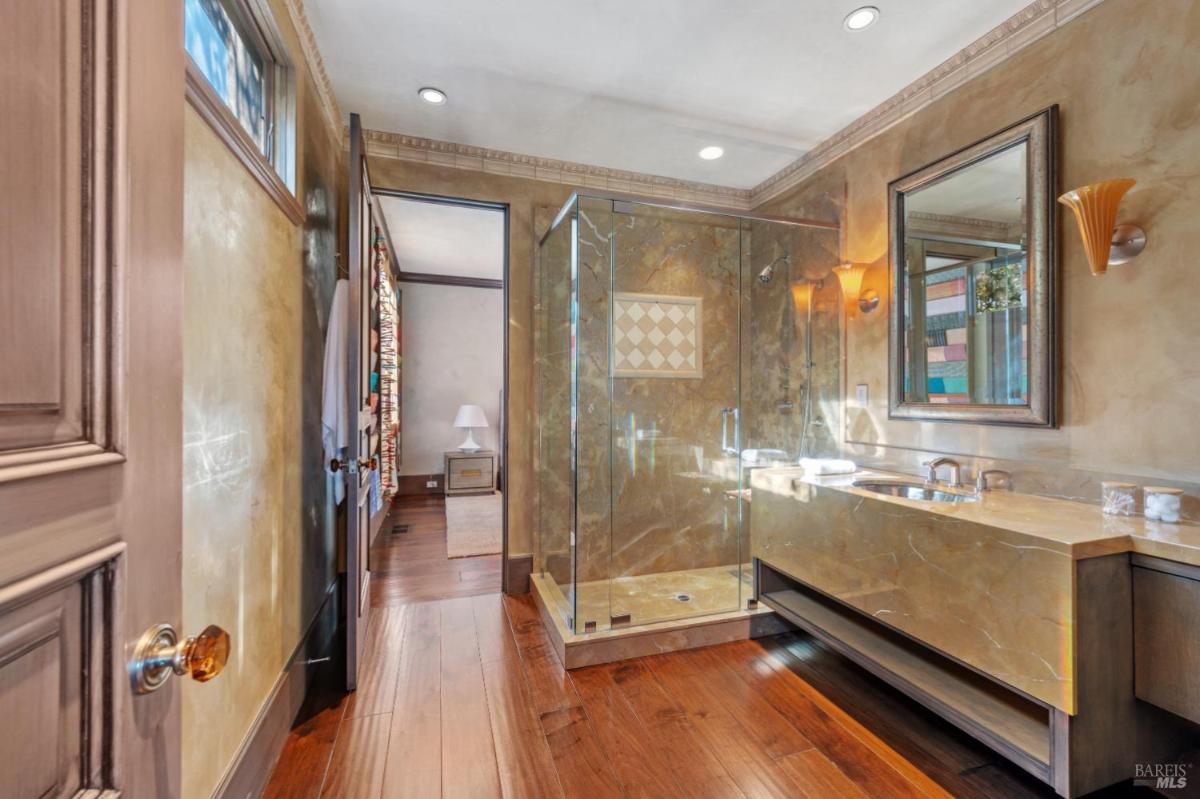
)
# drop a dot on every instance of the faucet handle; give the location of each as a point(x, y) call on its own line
point(982, 479)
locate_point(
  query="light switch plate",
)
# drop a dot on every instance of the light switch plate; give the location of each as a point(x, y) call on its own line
point(861, 394)
point(431, 483)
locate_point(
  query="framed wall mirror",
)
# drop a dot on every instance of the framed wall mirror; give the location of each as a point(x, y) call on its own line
point(974, 270)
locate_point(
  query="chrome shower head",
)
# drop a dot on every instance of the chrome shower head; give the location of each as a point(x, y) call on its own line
point(768, 271)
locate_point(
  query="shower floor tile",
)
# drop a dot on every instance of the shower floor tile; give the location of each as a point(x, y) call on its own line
point(664, 596)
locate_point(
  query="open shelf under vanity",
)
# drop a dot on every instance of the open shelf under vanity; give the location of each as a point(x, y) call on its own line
point(1019, 728)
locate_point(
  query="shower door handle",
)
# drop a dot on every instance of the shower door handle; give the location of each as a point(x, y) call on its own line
point(726, 413)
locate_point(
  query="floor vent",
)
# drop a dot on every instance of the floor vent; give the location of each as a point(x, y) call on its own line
point(398, 529)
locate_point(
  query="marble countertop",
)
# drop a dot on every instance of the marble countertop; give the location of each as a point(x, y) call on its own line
point(1075, 528)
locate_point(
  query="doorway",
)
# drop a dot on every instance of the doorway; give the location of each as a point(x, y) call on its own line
point(447, 533)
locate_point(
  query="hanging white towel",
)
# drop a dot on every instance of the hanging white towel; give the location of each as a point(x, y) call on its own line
point(335, 402)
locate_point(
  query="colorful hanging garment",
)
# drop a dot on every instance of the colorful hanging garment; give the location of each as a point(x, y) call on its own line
point(389, 371)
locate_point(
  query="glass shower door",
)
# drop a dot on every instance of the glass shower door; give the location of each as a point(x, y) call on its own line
point(674, 381)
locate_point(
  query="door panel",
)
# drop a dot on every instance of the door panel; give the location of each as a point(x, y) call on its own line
point(358, 521)
point(91, 151)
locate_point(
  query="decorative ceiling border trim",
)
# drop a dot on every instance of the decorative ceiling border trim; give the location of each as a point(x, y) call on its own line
point(1031, 23)
point(501, 162)
point(316, 64)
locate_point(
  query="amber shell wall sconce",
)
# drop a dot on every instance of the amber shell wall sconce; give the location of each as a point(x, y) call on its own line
point(1104, 241)
point(850, 277)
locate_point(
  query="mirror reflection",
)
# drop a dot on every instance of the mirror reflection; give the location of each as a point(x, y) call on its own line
point(966, 285)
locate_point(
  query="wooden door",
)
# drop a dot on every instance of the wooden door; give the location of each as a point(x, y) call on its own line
point(358, 513)
point(91, 164)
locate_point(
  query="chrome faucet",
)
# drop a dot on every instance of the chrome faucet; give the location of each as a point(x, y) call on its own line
point(981, 479)
point(955, 471)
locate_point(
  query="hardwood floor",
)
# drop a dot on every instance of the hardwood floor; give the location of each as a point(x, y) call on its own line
point(412, 566)
point(462, 696)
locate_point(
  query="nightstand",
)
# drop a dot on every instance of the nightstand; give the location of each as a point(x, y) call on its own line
point(470, 472)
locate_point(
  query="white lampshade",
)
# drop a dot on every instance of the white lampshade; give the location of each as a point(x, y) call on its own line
point(470, 416)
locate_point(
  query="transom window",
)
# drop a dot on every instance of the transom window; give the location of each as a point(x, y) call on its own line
point(231, 46)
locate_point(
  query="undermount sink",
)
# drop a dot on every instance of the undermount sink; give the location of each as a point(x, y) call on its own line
point(918, 491)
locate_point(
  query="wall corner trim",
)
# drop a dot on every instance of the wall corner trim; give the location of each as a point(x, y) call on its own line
point(251, 768)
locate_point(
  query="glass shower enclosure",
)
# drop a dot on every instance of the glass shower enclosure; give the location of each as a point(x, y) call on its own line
point(675, 349)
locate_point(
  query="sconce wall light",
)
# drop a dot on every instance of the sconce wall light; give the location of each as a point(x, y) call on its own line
point(850, 276)
point(1104, 241)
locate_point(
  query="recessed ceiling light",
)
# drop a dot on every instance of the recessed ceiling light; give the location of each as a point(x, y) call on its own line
point(432, 96)
point(861, 18)
point(712, 152)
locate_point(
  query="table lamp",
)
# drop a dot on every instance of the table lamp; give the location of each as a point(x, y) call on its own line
point(470, 416)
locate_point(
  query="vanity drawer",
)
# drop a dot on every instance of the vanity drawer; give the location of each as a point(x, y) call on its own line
point(1166, 620)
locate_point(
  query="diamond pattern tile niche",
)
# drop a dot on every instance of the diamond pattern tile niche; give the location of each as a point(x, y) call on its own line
point(657, 336)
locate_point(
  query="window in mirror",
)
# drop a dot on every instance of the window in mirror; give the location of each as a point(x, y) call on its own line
point(967, 286)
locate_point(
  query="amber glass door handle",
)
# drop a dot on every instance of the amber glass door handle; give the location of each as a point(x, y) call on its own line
point(160, 653)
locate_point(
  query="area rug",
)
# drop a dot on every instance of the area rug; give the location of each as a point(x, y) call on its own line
point(473, 525)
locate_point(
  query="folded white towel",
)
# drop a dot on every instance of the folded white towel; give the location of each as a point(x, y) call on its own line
point(763, 455)
point(827, 466)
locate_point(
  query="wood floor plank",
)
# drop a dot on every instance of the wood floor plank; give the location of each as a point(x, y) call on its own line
point(911, 730)
point(356, 768)
point(377, 676)
point(549, 682)
point(750, 765)
point(469, 767)
point(637, 757)
point(414, 758)
point(817, 776)
point(713, 669)
point(790, 695)
point(300, 771)
point(697, 769)
point(525, 763)
point(584, 769)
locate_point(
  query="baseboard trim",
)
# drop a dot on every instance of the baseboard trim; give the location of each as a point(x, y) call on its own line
point(413, 485)
point(248, 774)
point(518, 569)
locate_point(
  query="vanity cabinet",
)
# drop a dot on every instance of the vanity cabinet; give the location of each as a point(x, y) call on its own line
point(1166, 623)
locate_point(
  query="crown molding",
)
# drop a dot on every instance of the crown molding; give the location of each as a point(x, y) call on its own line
point(501, 162)
point(1031, 23)
point(316, 64)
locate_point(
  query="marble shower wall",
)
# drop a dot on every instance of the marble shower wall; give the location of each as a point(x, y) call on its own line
point(1126, 77)
point(669, 507)
point(652, 479)
point(775, 375)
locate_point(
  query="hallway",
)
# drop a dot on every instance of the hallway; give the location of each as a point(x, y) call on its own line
point(412, 566)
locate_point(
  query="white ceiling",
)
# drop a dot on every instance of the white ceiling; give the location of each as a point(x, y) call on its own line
point(636, 85)
point(441, 239)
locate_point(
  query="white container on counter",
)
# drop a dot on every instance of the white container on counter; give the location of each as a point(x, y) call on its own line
point(1163, 503)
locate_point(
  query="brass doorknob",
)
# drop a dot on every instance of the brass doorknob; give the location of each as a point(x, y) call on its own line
point(160, 653)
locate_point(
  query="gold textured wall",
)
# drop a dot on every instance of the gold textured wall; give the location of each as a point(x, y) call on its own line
point(1126, 76)
point(258, 547)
